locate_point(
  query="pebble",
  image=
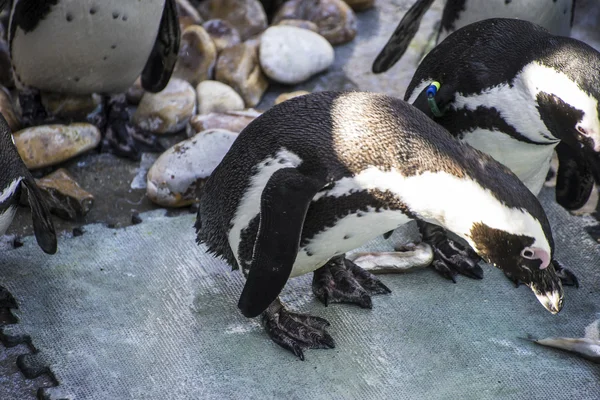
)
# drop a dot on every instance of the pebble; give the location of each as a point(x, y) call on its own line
point(291, 55)
point(187, 10)
point(222, 33)
point(360, 5)
point(286, 96)
point(7, 109)
point(197, 56)
point(299, 23)
point(247, 16)
point(239, 68)
point(215, 96)
point(45, 145)
point(64, 196)
point(335, 19)
point(180, 171)
point(167, 111)
point(71, 106)
point(234, 121)
point(135, 93)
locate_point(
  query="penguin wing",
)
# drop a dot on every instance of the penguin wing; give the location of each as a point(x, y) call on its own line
point(43, 226)
point(283, 206)
point(162, 59)
point(401, 38)
point(574, 179)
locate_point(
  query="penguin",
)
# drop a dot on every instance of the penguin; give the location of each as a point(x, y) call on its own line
point(321, 174)
point(518, 93)
point(554, 15)
point(13, 179)
point(82, 47)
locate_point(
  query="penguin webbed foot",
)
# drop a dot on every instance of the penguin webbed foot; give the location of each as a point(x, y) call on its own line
point(296, 332)
point(33, 112)
point(342, 281)
point(121, 136)
point(450, 258)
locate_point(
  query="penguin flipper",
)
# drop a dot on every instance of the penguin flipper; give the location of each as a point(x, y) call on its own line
point(401, 38)
point(162, 59)
point(283, 206)
point(43, 226)
point(574, 179)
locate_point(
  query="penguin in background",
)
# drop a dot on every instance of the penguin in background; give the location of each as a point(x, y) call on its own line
point(14, 177)
point(84, 47)
point(322, 174)
point(518, 93)
point(554, 15)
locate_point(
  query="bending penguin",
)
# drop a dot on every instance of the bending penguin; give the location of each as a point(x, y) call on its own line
point(518, 93)
point(82, 47)
point(13, 179)
point(322, 174)
point(554, 15)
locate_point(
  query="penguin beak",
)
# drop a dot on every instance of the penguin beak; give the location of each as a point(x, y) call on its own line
point(549, 290)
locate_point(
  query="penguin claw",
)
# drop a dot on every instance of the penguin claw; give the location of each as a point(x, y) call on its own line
point(295, 332)
point(342, 281)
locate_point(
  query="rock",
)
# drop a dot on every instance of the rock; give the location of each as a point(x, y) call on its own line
point(7, 109)
point(167, 111)
point(335, 19)
point(64, 196)
point(292, 55)
point(215, 96)
point(197, 55)
point(247, 16)
point(186, 10)
point(135, 92)
point(180, 171)
point(45, 145)
point(360, 5)
point(238, 67)
point(186, 21)
point(71, 106)
point(299, 23)
point(234, 121)
point(222, 33)
point(6, 73)
point(286, 96)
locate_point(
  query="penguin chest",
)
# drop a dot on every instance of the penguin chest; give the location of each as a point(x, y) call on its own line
point(347, 233)
point(530, 162)
point(8, 204)
point(83, 47)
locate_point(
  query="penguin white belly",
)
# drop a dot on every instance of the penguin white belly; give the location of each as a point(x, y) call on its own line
point(554, 15)
point(528, 161)
point(347, 234)
point(83, 47)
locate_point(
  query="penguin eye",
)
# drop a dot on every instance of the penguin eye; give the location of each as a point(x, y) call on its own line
point(528, 254)
point(582, 130)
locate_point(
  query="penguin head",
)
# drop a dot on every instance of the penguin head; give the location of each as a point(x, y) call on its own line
point(525, 256)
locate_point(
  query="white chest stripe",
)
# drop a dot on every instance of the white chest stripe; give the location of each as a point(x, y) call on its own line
point(10, 190)
point(249, 205)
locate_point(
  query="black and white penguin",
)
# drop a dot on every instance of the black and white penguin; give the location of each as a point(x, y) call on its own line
point(84, 47)
point(518, 93)
point(554, 15)
point(322, 174)
point(14, 177)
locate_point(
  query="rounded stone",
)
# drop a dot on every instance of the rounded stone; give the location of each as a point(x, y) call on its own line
point(45, 145)
point(175, 177)
point(135, 92)
point(247, 16)
point(291, 55)
point(335, 19)
point(222, 33)
point(299, 23)
point(239, 68)
point(215, 96)
point(360, 5)
point(286, 96)
point(197, 55)
point(167, 111)
point(234, 121)
point(71, 106)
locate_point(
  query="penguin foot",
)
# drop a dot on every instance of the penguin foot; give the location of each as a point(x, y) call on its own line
point(449, 257)
point(121, 136)
point(296, 332)
point(33, 112)
point(342, 281)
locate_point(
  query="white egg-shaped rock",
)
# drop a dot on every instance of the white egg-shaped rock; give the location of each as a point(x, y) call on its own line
point(215, 96)
point(291, 55)
point(175, 176)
